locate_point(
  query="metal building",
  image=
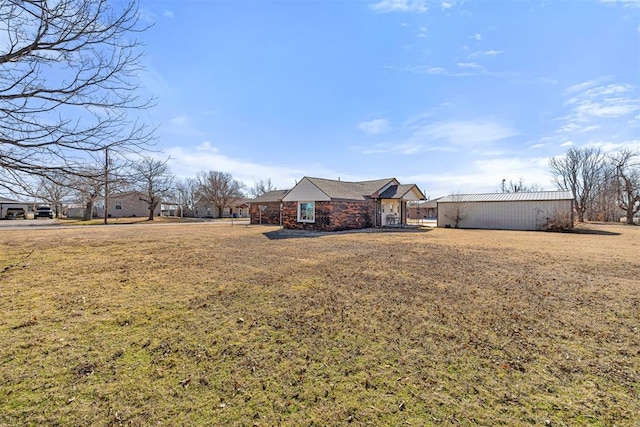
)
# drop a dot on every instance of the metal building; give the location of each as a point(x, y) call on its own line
point(506, 211)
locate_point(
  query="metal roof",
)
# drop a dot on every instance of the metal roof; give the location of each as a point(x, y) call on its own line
point(508, 197)
point(7, 200)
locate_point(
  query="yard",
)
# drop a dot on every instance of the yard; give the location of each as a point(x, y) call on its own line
point(194, 324)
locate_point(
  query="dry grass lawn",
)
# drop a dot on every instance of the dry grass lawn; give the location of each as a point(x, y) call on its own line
point(197, 324)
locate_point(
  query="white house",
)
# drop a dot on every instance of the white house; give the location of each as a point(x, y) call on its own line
point(505, 211)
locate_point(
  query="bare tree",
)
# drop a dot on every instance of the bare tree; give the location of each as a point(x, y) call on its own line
point(218, 189)
point(186, 193)
point(579, 171)
point(153, 182)
point(87, 191)
point(604, 206)
point(261, 187)
point(627, 168)
point(54, 191)
point(518, 186)
point(457, 210)
point(67, 85)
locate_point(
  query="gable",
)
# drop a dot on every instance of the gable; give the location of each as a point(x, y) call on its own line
point(305, 190)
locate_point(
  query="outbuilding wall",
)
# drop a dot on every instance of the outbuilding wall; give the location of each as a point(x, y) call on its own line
point(505, 215)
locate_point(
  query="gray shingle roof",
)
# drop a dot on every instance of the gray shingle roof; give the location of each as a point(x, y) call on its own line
point(396, 191)
point(508, 197)
point(345, 190)
point(270, 196)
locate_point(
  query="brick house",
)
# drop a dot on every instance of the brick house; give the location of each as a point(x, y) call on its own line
point(329, 205)
point(267, 208)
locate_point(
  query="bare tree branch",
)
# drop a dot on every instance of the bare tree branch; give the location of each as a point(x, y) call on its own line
point(579, 171)
point(154, 182)
point(218, 189)
point(68, 84)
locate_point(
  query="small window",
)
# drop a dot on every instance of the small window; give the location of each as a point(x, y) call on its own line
point(391, 207)
point(118, 205)
point(306, 211)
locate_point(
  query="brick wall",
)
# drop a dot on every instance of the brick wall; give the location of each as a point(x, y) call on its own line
point(332, 216)
point(270, 215)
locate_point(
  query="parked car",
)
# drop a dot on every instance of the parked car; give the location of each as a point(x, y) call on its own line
point(15, 213)
point(43, 212)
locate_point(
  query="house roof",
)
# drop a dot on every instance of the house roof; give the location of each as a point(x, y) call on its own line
point(345, 190)
point(240, 201)
point(270, 196)
point(6, 200)
point(399, 191)
point(508, 197)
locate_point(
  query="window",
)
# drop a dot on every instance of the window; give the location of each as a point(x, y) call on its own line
point(118, 205)
point(306, 211)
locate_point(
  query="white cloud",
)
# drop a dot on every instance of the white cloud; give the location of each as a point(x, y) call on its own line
point(566, 144)
point(436, 70)
point(446, 5)
point(186, 163)
point(594, 108)
point(477, 36)
point(579, 87)
point(428, 69)
point(460, 133)
point(424, 135)
point(612, 147)
point(491, 52)
point(168, 14)
point(375, 127)
point(624, 3)
point(485, 176)
point(468, 65)
point(179, 120)
point(388, 6)
point(206, 146)
point(423, 32)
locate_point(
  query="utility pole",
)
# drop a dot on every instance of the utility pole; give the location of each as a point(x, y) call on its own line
point(106, 182)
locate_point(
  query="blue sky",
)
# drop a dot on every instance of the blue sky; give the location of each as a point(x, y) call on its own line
point(451, 95)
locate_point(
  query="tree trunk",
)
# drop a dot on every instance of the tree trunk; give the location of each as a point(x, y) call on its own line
point(630, 215)
point(88, 212)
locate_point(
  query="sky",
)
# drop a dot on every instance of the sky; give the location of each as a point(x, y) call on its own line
point(451, 95)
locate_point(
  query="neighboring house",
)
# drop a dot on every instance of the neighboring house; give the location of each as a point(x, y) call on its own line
point(238, 208)
point(506, 211)
point(13, 207)
point(267, 208)
point(329, 205)
point(424, 209)
point(127, 204)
